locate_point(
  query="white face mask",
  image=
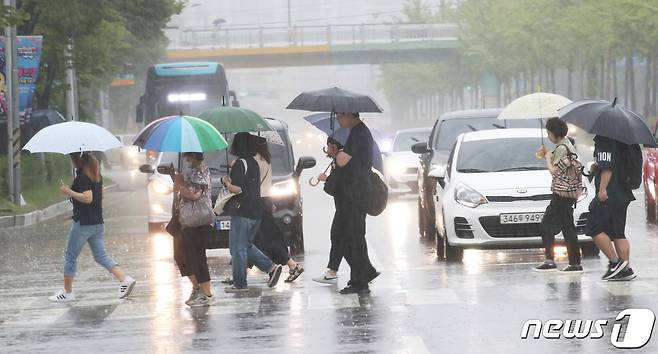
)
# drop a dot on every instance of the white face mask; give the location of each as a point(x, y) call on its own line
point(187, 165)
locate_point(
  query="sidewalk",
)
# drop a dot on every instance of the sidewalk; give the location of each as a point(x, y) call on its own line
point(49, 212)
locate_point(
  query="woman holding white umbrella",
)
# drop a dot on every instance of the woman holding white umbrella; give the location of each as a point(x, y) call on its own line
point(86, 195)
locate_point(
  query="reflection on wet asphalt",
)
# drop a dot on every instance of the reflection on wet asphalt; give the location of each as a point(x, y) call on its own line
point(418, 305)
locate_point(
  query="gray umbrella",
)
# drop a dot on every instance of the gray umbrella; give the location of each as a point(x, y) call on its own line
point(334, 100)
point(610, 120)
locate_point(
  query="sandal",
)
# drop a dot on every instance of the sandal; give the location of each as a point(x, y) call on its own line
point(295, 273)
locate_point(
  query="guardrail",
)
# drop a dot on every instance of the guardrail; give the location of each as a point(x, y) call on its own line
point(296, 36)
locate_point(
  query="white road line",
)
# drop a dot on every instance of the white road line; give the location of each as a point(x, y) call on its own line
point(413, 345)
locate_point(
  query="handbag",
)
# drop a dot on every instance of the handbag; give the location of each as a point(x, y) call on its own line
point(226, 203)
point(197, 212)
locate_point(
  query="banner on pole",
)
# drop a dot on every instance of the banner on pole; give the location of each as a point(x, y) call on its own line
point(28, 59)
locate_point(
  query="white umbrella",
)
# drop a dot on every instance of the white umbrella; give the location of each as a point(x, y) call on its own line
point(271, 136)
point(538, 105)
point(71, 137)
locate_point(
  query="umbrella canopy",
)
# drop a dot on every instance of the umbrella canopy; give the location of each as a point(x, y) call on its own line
point(535, 106)
point(180, 134)
point(322, 121)
point(71, 137)
point(235, 120)
point(271, 137)
point(610, 120)
point(334, 100)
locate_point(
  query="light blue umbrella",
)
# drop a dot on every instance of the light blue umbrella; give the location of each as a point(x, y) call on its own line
point(323, 122)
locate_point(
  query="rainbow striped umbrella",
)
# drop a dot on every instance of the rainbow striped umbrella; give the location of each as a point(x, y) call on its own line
point(180, 134)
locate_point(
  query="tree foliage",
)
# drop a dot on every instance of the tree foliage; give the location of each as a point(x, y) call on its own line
point(107, 37)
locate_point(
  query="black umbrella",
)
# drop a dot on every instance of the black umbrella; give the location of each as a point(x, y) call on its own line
point(610, 120)
point(334, 100)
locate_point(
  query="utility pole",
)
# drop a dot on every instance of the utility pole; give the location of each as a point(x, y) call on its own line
point(13, 119)
point(289, 18)
point(71, 91)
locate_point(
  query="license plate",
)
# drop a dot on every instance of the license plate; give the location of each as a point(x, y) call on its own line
point(224, 224)
point(521, 218)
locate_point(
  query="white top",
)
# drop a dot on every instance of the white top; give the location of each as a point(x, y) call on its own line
point(265, 175)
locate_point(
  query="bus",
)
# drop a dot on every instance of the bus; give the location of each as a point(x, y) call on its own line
point(186, 87)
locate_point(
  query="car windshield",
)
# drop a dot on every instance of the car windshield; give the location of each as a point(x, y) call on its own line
point(450, 129)
point(404, 141)
point(217, 160)
point(501, 155)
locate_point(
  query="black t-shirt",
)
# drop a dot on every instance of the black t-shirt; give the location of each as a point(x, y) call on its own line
point(608, 157)
point(355, 176)
point(88, 214)
point(249, 182)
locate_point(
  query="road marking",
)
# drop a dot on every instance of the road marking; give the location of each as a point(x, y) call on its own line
point(413, 345)
point(329, 301)
point(431, 297)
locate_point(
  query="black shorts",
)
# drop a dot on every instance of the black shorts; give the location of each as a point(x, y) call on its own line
point(608, 218)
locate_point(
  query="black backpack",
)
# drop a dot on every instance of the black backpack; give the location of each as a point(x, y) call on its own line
point(632, 165)
point(378, 197)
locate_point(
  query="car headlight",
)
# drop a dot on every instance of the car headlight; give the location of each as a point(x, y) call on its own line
point(283, 189)
point(162, 187)
point(395, 168)
point(468, 196)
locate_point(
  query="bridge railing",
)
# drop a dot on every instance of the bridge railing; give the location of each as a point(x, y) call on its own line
point(273, 37)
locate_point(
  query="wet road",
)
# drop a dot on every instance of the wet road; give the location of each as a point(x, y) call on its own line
point(418, 305)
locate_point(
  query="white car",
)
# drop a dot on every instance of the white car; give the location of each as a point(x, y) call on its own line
point(128, 156)
point(401, 164)
point(493, 194)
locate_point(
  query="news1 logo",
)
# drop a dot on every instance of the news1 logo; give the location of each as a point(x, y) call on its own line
point(638, 329)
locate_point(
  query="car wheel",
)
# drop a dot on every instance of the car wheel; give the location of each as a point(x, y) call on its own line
point(155, 227)
point(297, 240)
point(440, 245)
point(452, 253)
point(421, 219)
point(589, 250)
point(650, 210)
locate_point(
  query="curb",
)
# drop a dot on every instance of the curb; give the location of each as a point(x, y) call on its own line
point(47, 213)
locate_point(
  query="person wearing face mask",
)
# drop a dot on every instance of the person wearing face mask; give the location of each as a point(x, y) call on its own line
point(193, 186)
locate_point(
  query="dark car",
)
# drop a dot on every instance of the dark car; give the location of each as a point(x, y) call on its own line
point(285, 193)
point(435, 152)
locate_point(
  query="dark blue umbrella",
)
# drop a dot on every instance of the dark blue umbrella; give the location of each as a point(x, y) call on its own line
point(322, 121)
point(610, 120)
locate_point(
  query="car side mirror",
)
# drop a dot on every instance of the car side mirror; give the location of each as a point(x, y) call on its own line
point(146, 168)
point(303, 163)
point(420, 148)
point(234, 98)
point(439, 173)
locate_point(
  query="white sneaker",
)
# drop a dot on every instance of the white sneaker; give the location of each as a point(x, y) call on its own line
point(62, 296)
point(126, 287)
point(202, 300)
point(193, 295)
point(326, 279)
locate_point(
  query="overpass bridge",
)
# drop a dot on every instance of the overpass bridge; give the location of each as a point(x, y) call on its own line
point(314, 45)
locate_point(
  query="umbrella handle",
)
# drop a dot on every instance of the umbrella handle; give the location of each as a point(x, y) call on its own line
point(315, 182)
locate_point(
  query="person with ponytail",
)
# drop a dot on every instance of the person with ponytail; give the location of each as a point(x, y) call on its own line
point(86, 195)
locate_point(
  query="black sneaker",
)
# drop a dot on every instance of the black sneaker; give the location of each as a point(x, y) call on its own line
point(545, 267)
point(361, 290)
point(614, 269)
point(572, 269)
point(625, 275)
point(274, 276)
